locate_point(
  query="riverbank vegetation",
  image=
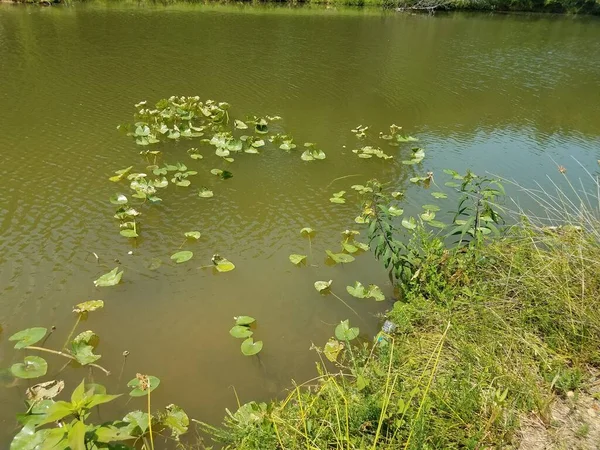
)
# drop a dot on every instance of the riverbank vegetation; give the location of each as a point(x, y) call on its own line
point(425, 6)
point(493, 319)
point(485, 336)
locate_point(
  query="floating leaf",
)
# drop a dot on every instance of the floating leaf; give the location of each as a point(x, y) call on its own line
point(31, 367)
point(28, 337)
point(439, 195)
point(82, 348)
point(111, 278)
point(410, 223)
point(395, 211)
point(89, 306)
point(297, 259)
point(223, 174)
point(129, 233)
point(222, 264)
point(241, 331)
point(332, 349)
point(138, 422)
point(428, 216)
point(240, 125)
point(244, 320)
point(376, 293)
point(193, 234)
point(118, 199)
point(250, 348)
point(205, 193)
point(431, 207)
point(338, 197)
point(142, 384)
point(307, 232)
point(358, 290)
point(323, 286)
point(344, 332)
point(340, 257)
point(182, 256)
point(120, 174)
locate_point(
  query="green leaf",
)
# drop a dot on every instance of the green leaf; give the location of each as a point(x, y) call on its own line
point(110, 433)
point(241, 331)
point(410, 223)
point(142, 384)
point(129, 233)
point(31, 367)
point(323, 286)
point(431, 207)
point(332, 349)
point(350, 248)
point(376, 293)
point(28, 337)
point(337, 200)
point(120, 174)
point(240, 125)
point(428, 216)
point(137, 420)
point(358, 290)
point(344, 332)
point(340, 257)
point(205, 193)
point(111, 278)
point(182, 256)
point(76, 437)
point(177, 420)
point(193, 234)
point(223, 265)
point(251, 348)
point(99, 399)
point(118, 199)
point(82, 348)
point(395, 212)
point(58, 411)
point(244, 320)
point(361, 382)
point(297, 259)
point(307, 232)
point(439, 195)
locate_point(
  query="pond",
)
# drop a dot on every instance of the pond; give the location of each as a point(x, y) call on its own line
point(514, 95)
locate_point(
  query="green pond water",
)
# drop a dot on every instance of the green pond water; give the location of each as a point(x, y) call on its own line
point(512, 95)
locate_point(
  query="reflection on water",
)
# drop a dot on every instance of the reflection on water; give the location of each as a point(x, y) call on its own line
point(509, 95)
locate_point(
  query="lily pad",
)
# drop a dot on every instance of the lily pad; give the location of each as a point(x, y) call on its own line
point(251, 348)
point(89, 306)
point(205, 193)
point(439, 195)
point(28, 337)
point(31, 367)
point(240, 125)
point(193, 234)
point(222, 264)
point(346, 333)
point(358, 290)
point(241, 331)
point(410, 223)
point(111, 278)
point(244, 320)
point(340, 257)
point(177, 420)
point(307, 232)
point(182, 256)
point(82, 348)
point(376, 293)
point(297, 259)
point(118, 199)
point(323, 286)
point(142, 384)
point(129, 233)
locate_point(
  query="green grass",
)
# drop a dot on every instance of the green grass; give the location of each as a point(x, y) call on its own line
point(485, 335)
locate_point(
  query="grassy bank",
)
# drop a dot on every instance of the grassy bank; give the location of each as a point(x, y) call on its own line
point(487, 336)
point(427, 6)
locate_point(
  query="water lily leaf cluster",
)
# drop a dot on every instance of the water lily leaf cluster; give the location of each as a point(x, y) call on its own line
point(241, 330)
point(360, 291)
point(395, 137)
point(368, 152)
point(350, 244)
point(312, 152)
point(338, 197)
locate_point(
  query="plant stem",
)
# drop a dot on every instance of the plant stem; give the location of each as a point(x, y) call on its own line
point(66, 355)
point(349, 307)
point(150, 421)
point(72, 331)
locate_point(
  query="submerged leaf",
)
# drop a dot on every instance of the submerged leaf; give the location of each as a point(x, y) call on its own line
point(111, 278)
